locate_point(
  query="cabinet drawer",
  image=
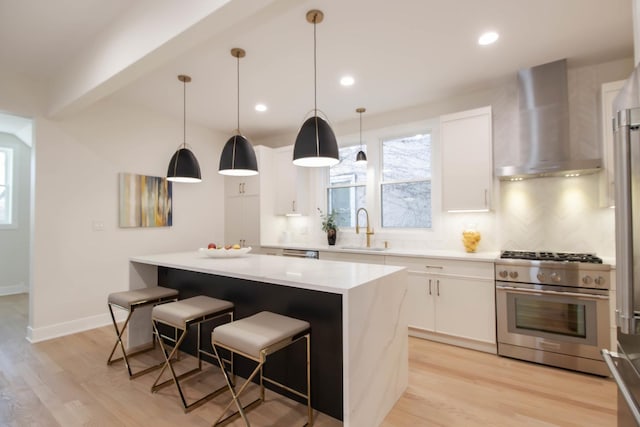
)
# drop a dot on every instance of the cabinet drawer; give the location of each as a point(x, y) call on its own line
point(483, 270)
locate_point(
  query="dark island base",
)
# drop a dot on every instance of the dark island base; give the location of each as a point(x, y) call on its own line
point(321, 309)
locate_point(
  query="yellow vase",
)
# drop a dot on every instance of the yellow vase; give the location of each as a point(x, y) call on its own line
point(470, 238)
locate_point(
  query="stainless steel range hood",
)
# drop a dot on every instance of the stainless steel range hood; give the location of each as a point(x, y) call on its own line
point(544, 145)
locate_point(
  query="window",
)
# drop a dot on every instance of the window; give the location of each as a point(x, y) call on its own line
point(6, 163)
point(347, 190)
point(405, 188)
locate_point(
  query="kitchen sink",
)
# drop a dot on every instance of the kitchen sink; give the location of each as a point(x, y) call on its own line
point(361, 248)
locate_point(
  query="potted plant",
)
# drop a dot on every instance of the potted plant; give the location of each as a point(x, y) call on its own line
point(329, 225)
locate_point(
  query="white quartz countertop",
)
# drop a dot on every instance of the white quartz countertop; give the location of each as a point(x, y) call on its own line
point(489, 256)
point(321, 275)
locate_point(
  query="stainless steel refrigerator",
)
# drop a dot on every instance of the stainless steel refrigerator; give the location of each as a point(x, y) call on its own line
point(625, 363)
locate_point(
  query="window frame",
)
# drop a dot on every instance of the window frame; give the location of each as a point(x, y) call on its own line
point(372, 140)
point(380, 182)
point(353, 186)
point(11, 221)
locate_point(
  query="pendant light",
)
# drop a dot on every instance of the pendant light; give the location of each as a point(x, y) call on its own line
point(361, 158)
point(316, 144)
point(183, 166)
point(238, 157)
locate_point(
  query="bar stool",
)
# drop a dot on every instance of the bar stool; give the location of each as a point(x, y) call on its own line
point(181, 315)
point(256, 337)
point(131, 301)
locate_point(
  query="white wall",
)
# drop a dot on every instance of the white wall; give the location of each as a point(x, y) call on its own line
point(77, 162)
point(14, 241)
point(77, 166)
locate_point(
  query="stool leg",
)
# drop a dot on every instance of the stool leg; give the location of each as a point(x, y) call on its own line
point(261, 384)
point(176, 378)
point(309, 408)
point(236, 396)
point(119, 333)
point(167, 358)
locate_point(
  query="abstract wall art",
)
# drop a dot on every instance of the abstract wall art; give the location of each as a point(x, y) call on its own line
point(145, 201)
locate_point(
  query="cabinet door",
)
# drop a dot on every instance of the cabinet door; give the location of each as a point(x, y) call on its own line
point(241, 185)
point(291, 184)
point(607, 184)
point(242, 220)
point(466, 308)
point(467, 160)
point(420, 300)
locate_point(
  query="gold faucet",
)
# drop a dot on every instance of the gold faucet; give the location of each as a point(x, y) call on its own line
point(369, 229)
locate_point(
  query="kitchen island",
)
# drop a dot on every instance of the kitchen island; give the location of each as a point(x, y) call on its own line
point(359, 355)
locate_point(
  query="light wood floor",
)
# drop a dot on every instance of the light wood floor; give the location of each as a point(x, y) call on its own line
point(66, 382)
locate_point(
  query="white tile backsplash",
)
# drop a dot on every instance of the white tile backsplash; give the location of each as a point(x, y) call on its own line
point(556, 214)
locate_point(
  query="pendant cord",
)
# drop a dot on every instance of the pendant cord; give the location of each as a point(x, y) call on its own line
point(238, 92)
point(360, 131)
point(184, 113)
point(315, 78)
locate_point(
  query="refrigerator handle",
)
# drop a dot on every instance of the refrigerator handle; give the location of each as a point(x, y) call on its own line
point(622, 386)
point(623, 224)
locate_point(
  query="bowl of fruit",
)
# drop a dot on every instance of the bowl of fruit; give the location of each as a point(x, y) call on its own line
point(224, 251)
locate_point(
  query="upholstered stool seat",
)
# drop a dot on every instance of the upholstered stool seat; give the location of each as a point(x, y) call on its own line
point(131, 301)
point(182, 315)
point(256, 337)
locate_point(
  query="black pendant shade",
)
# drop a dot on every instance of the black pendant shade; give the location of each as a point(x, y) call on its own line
point(238, 157)
point(361, 157)
point(184, 167)
point(316, 144)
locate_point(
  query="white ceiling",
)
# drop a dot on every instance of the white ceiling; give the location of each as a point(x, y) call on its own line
point(402, 53)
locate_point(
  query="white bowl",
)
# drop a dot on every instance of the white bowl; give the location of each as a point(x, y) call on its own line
point(224, 253)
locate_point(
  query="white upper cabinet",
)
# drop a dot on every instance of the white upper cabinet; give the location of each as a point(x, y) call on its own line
point(242, 206)
point(607, 183)
point(467, 160)
point(291, 184)
point(242, 185)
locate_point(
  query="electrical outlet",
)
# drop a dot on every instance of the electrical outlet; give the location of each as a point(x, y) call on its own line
point(98, 225)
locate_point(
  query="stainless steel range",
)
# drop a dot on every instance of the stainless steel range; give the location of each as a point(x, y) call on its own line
point(553, 308)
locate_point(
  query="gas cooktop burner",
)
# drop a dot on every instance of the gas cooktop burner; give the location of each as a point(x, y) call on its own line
point(551, 256)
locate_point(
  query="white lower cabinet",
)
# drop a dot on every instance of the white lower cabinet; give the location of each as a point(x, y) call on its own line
point(421, 300)
point(451, 301)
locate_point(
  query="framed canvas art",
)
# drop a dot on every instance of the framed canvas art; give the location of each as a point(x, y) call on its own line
point(145, 201)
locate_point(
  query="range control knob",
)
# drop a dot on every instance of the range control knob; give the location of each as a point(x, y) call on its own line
point(587, 280)
point(541, 277)
point(556, 277)
point(513, 274)
point(503, 274)
point(599, 281)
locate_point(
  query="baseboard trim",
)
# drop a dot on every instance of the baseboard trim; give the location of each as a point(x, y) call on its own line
point(20, 288)
point(486, 347)
point(45, 333)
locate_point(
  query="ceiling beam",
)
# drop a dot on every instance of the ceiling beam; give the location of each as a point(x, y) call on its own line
point(149, 34)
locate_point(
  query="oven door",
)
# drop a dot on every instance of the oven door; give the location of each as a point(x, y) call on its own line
point(569, 321)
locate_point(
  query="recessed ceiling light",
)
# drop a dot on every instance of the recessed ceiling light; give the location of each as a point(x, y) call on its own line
point(347, 81)
point(260, 107)
point(488, 38)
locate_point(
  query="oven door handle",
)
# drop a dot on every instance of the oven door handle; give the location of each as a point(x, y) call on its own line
point(537, 291)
